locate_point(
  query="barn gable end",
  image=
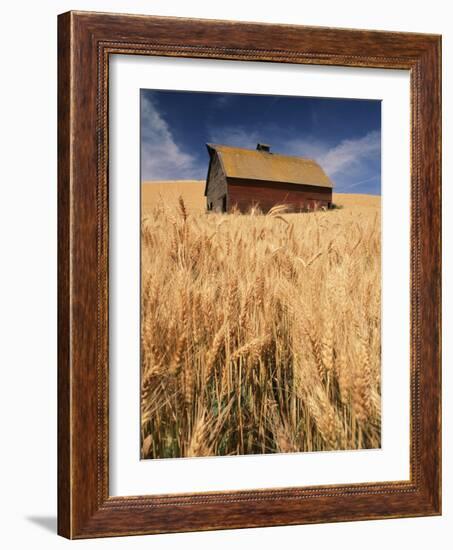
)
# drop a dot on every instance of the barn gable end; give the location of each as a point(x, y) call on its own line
point(216, 184)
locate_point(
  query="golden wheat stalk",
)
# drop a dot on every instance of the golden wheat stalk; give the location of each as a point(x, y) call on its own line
point(259, 336)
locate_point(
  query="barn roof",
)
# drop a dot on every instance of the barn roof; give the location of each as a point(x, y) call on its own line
point(261, 165)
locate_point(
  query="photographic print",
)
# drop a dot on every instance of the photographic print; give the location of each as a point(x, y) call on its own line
point(260, 274)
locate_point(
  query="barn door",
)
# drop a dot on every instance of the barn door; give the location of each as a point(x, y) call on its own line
point(224, 203)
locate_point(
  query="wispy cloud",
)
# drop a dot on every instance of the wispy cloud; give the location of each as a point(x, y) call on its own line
point(161, 157)
point(350, 163)
point(235, 136)
point(222, 100)
point(349, 154)
point(374, 178)
point(352, 154)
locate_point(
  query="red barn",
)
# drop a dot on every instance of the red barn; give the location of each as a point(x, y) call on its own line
point(243, 178)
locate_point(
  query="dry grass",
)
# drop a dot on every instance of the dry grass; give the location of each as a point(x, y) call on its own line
point(260, 334)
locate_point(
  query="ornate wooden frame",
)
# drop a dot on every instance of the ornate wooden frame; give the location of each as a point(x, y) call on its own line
point(85, 42)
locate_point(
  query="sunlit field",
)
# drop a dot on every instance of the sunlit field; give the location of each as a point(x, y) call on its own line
point(260, 333)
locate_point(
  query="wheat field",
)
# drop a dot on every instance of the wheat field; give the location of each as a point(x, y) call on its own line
point(259, 333)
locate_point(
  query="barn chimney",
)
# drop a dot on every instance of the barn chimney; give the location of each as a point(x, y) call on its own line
point(263, 147)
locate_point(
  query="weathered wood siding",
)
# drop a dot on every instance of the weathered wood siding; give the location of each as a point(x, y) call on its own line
point(245, 193)
point(217, 186)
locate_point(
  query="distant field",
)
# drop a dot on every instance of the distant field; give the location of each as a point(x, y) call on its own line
point(260, 333)
point(192, 192)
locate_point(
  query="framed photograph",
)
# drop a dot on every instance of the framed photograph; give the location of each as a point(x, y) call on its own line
point(249, 275)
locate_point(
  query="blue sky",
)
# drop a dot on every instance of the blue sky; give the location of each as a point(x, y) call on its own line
point(343, 135)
